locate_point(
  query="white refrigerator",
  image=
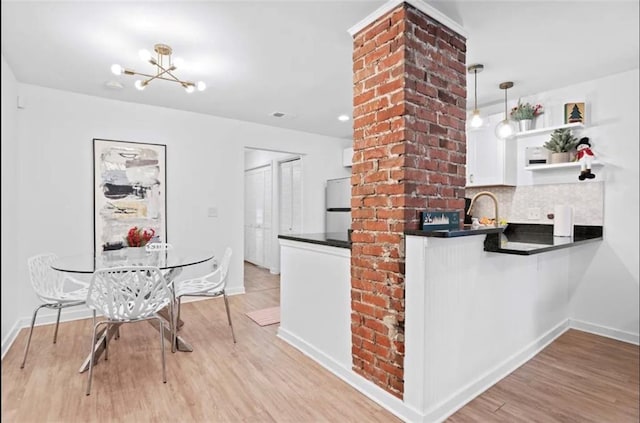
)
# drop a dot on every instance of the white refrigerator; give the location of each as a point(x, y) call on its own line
point(338, 205)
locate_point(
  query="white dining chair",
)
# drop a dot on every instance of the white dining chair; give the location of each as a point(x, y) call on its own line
point(158, 246)
point(210, 285)
point(129, 294)
point(56, 290)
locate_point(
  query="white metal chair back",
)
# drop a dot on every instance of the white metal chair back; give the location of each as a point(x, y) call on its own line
point(209, 285)
point(47, 283)
point(158, 246)
point(128, 293)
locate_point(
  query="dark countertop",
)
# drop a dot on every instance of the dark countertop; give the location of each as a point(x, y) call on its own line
point(454, 233)
point(332, 239)
point(527, 239)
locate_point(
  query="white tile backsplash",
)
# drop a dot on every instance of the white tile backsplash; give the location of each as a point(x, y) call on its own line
point(586, 198)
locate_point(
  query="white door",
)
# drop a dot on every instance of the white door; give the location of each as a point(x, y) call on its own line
point(258, 215)
point(291, 197)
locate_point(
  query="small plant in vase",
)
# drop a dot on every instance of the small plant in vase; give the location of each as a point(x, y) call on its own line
point(561, 143)
point(524, 113)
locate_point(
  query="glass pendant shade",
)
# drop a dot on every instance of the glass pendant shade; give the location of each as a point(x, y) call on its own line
point(506, 128)
point(476, 119)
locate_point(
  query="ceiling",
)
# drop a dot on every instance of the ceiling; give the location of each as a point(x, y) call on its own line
point(259, 57)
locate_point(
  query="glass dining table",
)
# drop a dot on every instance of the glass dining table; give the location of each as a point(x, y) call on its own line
point(171, 261)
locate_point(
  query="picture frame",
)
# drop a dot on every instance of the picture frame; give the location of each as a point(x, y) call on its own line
point(129, 189)
point(574, 112)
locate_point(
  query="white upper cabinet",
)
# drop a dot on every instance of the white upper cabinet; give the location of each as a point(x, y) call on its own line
point(490, 161)
point(347, 157)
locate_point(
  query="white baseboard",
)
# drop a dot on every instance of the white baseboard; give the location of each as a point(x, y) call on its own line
point(369, 389)
point(620, 335)
point(45, 317)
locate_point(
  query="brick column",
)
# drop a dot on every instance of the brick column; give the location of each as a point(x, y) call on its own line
point(409, 154)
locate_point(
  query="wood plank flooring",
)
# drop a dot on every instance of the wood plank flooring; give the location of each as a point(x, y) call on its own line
point(578, 378)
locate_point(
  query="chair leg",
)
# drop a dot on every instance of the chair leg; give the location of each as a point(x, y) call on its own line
point(55, 334)
point(92, 356)
point(106, 343)
point(164, 370)
point(178, 317)
point(226, 306)
point(33, 322)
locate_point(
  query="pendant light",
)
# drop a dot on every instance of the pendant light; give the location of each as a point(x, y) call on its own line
point(475, 120)
point(506, 128)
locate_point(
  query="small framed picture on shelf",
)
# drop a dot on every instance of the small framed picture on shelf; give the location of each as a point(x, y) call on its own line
point(574, 113)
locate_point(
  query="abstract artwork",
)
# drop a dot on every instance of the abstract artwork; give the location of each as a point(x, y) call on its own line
point(129, 190)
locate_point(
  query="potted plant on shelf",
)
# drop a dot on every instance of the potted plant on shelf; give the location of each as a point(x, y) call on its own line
point(561, 143)
point(524, 113)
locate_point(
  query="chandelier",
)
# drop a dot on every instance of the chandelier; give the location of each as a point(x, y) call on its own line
point(164, 68)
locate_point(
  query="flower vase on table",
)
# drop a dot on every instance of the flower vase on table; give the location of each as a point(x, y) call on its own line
point(137, 239)
point(136, 252)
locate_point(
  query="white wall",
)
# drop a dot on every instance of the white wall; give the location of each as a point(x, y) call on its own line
point(10, 189)
point(605, 277)
point(205, 168)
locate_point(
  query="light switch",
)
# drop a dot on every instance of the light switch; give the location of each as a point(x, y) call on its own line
point(212, 212)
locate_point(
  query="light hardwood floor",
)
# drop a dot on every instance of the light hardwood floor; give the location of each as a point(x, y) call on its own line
point(578, 378)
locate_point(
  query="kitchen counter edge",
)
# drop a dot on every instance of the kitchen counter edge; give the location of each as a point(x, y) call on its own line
point(329, 239)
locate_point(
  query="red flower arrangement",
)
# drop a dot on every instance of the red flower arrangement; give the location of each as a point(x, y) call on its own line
point(139, 237)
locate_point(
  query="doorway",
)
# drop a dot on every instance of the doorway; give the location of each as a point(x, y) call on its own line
point(272, 203)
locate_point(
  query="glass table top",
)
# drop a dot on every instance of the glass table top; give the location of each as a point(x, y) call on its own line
point(164, 260)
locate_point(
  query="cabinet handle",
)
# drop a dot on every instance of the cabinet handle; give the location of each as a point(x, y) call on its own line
point(471, 177)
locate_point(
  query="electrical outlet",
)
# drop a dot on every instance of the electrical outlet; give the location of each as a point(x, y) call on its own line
point(533, 213)
point(212, 212)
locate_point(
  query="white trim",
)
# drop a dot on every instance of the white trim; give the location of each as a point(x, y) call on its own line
point(418, 4)
point(8, 340)
point(446, 408)
point(318, 248)
point(235, 291)
point(372, 391)
point(617, 334)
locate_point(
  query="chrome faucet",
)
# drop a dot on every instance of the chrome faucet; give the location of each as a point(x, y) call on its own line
point(495, 202)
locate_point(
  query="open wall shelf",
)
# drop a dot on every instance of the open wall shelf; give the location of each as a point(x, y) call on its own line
point(576, 125)
point(559, 165)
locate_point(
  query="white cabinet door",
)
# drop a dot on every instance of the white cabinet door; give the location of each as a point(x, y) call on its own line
point(490, 161)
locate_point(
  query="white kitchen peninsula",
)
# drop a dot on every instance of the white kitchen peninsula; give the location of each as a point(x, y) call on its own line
point(315, 298)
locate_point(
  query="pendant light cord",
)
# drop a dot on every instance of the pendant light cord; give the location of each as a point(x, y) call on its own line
point(505, 103)
point(475, 89)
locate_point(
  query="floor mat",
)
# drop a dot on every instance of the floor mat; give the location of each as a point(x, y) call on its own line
point(265, 316)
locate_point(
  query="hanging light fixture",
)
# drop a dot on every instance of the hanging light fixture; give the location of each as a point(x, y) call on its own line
point(164, 68)
point(476, 120)
point(506, 128)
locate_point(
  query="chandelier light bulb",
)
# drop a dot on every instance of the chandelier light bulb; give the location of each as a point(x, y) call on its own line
point(139, 85)
point(144, 55)
point(178, 62)
point(201, 86)
point(189, 89)
point(476, 119)
point(117, 69)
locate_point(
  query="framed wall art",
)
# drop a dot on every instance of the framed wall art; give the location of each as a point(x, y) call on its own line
point(574, 113)
point(129, 190)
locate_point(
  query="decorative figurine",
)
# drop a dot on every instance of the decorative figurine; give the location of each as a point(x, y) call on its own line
point(585, 157)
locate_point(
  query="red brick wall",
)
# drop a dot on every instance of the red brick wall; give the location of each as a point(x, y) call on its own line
point(409, 154)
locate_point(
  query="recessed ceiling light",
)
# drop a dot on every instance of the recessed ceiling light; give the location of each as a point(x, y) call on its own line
point(277, 114)
point(343, 118)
